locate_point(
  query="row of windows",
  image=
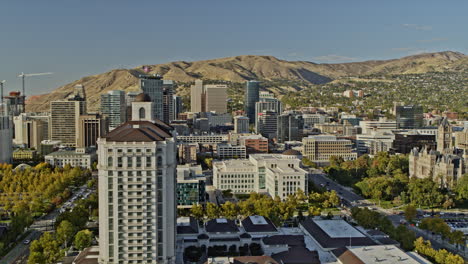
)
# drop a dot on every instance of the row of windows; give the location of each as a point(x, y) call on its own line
point(236, 176)
point(245, 187)
point(129, 161)
point(131, 150)
point(237, 181)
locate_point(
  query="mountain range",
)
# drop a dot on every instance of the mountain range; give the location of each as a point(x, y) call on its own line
point(250, 67)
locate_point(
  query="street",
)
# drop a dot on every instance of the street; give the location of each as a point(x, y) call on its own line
point(20, 253)
point(352, 199)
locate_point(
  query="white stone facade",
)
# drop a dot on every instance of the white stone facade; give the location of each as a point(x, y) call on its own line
point(137, 201)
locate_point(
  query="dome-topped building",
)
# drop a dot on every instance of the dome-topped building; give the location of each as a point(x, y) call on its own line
point(142, 108)
point(142, 97)
point(292, 154)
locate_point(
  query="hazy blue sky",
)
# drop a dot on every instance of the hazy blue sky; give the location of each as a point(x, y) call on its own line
point(83, 37)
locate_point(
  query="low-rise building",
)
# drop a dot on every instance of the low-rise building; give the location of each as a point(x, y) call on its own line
point(319, 149)
point(254, 143)
point(76, 158)
point(276, 174)
point(333, 234)
point(330, 128)
point(190, 186)
point(374, 142)
point(24, 154)
point(228, 151)
point(187, 153)
point(385, 254)
point(406, 141)
point(241, 124)
point(381, 125)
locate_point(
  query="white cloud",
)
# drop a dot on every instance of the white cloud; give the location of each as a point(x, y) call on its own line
point(418, 27)
point(334, 58)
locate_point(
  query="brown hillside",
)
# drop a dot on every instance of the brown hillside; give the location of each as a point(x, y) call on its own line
point(247, 67)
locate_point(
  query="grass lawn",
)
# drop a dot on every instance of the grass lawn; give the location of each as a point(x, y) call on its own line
point(383, 204)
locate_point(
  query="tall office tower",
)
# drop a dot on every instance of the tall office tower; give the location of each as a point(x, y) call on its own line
point(177, 105)
point(290, 127)
point(114, 107)
point(266, 105)
point(409, 116)
point(251, 97)
point(444, 136)
point(65, 120)
point(152, 85)
point(208, 98)
point(92, 127)
point(137, 190)
point(30, 129)
point(6, 134)
point(216, 98)
point(241, 124)
point(197, 94)
point(267, 123)
point(168, 103)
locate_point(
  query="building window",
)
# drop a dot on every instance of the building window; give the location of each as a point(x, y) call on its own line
point(159, 161)
point(142, 113)
point(110, 162)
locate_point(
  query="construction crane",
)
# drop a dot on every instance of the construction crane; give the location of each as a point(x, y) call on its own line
point(23, 75)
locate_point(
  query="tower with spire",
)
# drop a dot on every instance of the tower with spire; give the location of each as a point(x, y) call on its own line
point(444, 136)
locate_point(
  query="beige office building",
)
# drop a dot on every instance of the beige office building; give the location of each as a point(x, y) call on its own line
point(31, 129)
point(92, 127)
point(208, 98)
point(196, 95)
point(319, 149)
point(65, 121)
point(216, 98)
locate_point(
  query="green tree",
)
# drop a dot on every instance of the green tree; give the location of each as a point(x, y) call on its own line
point(45, 250)
point(410, 213)
point(405, 237)
point(461, 188)
point(424, 192)
point(333, 198)
point(83, 239)
point(65, 232)
point(212, 211)
point(229, 210)
point(300, 196)
point(457, 237)
point(197, 211)
point(314, 211)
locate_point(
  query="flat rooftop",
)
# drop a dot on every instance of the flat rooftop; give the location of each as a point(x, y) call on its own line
point(382, 255)
point(338, 228)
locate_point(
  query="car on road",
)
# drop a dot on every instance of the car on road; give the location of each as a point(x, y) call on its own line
point(26, 242)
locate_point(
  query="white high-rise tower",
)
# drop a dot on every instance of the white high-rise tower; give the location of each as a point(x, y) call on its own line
point(137, 190)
